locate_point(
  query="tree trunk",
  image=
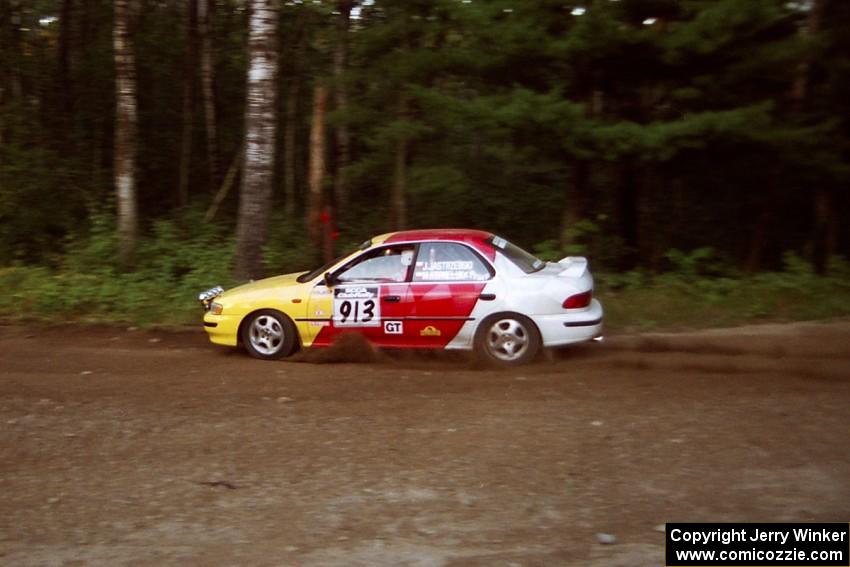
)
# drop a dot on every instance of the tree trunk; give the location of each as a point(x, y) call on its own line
point(577, 195)
point(66, 85)
point(205, 8)
point(825, 230)
point(800, 87)
point(398, 196)
point(16, 85)
point(226, 184)
point(759, 238)
point(822, 239)
point(289, 136)
point(125, 133)
point(260, 122)
point(317, 164)
point(10, 57)
point(342, 135)
point(189, 64)
point(290, 133)
point(574, 207)
point(628, 199)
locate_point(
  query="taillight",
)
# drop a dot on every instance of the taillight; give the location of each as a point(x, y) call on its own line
point(578, 300)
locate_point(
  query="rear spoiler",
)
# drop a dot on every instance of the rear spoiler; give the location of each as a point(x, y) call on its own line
point(573, 266)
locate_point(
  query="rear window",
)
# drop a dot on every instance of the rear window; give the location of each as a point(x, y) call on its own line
point(528, 263)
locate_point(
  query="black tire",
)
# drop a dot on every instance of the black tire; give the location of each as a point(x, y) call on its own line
point(269, 335)
point(507, 339)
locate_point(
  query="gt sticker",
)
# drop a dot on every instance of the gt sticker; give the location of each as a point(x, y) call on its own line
point(430, 331)
point(393, 327)
point(356, 306)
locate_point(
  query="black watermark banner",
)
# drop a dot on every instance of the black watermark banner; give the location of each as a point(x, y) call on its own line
point(758, 545)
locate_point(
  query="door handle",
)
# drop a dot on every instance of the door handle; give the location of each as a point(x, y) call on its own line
point(487, 296)
point(392, 298)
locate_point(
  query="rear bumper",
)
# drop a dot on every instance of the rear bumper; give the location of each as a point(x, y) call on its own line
point(574, 326)
point(222, 329)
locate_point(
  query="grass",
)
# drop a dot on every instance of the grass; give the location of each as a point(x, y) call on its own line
point(686, 301)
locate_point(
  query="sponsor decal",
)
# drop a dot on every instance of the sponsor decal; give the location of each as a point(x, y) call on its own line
point(454, 270)
point(430, 331)
point(393, 327)
point(319, 323)
point(355, 292)
point(319, 312)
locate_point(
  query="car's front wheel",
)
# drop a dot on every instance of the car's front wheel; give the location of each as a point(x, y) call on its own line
point(507, 339)
point(269, 334)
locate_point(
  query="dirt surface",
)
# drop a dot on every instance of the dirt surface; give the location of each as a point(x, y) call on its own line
point(126, 447)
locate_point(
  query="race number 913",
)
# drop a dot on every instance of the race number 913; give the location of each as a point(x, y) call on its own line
point(356, 307)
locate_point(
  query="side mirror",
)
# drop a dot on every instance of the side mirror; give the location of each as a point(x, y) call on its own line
point(330, 280)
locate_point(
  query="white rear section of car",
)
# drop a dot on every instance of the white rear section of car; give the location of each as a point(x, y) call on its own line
point(539, 296)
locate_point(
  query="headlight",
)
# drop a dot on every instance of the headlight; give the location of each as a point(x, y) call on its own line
point(216, 308)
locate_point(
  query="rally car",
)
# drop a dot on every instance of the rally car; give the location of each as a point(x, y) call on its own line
point(431, 289)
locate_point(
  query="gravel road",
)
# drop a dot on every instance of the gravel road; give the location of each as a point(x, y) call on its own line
point(123, 447)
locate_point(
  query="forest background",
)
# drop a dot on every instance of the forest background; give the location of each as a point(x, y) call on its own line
point(695, 150)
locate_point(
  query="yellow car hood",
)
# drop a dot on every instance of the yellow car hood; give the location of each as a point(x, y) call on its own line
point(267, 284)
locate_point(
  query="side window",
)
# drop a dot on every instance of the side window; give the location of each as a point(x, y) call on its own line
point(384, 265)
point(448, 261)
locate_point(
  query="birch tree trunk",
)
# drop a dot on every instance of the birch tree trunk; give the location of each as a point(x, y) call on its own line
point(342, 135)
point(208, 91)
point(317, 163)
point(125, 132)
point(260, 122)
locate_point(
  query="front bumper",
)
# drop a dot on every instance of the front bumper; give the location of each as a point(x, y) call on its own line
point(570, 327)
point(222, 329)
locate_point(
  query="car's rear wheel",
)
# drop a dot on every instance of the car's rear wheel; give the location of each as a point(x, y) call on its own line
point(269, 334)
point(507, 339)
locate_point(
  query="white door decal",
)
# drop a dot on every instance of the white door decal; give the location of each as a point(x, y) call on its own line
point(356, 306)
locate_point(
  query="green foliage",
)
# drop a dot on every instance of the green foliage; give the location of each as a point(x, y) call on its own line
point(686, 299)
point(288, 251)
point(180, 259)
point(699, 262)
point(586, 237)
point(37, 203)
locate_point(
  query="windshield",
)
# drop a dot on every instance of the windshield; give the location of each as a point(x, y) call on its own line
point(306, 277)
point(528, 263)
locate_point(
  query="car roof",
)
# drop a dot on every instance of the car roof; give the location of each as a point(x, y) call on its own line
point(475, 238)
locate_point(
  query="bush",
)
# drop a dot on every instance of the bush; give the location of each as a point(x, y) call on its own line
point(177, 261)
point(686, 298)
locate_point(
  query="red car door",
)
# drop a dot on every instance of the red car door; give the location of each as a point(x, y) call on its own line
point(446, 283)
